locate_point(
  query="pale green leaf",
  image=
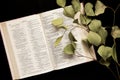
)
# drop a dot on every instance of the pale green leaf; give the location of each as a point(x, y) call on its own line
point(115, 27)
point(88, 20)
point(71, 37)
point(94, 38)
point(114, 55)
point(76, 5)
point(74, 44)
point(61, 3)
point(105, 52)
point(89, 9)
point(63, 26)
point(99, 7)
point(103, 33)
point(69, 11)
point(57, 22)
point(86, 42)
point(115, 32)
point(84, 20)
point(76, 21)
point(69, 49)
point(95, 25)
point(58, 40)
point(103, 62)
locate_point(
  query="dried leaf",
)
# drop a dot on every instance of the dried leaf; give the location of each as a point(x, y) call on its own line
point(58, 40)
point(76, 21)
point(61, 3)
point(63, 26)
point(69, 49)
point(103, 62)
point(114, 55)
point(103, 33)
point(57, 22)
point(69, 11)
point(71, 37)
point(76, 5)
point(86, 42)
point(84, 20)
point(95, 25)
point(105, 52)
point(99, 7)
point(115, 32)
point(74, 44)
point(89, 9)
point(94, 38)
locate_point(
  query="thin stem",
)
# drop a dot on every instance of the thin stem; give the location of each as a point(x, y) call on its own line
point(114, 11)
point(117, 71)
point(114, 19)
point(80, 55)
point(113, 73)
point(117, 8)
point(114, 42)
point(64, 32)
point(114, 14)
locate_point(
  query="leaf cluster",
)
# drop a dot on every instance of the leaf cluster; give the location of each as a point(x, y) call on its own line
point(97, 34)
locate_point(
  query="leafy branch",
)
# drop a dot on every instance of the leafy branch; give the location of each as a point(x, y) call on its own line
point(84, 14)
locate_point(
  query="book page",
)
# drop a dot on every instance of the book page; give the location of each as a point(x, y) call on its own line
point(29, 46)
point(62, 60)
point(9, 49)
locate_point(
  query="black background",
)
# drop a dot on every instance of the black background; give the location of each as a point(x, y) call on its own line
point(11, 9)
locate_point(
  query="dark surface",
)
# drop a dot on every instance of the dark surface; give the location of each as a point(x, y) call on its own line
point(11, 9)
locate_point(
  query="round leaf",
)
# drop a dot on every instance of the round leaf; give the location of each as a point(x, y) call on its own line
point(95, 25)
point(103, 33)
point(69, 11)
point(61, 3)
point(94, 38)
point(99, 7)
point(115, 32)
point(84, 20)
point(105, 52)
point(89, 9)
point(57, 22)
point(76, 5)
point(103, 62)
point(69, 49)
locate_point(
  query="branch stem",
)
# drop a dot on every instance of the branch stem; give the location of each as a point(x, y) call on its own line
point(117, 71)
point(113, 73)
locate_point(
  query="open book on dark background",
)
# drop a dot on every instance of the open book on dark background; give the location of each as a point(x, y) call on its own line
point(12, 9)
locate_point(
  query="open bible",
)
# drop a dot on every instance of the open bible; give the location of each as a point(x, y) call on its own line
point(29, 44)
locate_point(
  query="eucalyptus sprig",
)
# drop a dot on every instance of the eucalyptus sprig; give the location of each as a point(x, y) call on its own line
point(87, 16)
